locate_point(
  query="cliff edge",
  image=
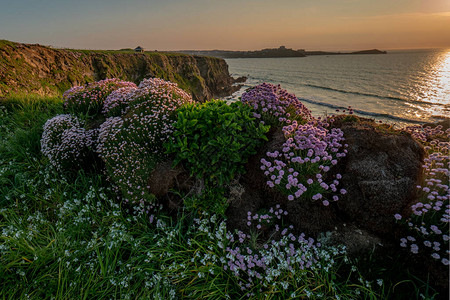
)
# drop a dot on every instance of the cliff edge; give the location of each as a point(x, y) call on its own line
point(42, 70)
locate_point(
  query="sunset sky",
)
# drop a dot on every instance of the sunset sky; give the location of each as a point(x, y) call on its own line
point(228, 24)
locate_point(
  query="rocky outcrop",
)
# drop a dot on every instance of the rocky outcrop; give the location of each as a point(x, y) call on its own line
point(43, 70)
point(380, 173)
point(308, 217)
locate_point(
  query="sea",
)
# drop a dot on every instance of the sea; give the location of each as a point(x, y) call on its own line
point(400, 87)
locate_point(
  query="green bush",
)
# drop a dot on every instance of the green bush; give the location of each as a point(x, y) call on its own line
point(214, 140)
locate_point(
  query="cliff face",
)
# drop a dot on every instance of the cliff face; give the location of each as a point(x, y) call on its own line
point(45, 71)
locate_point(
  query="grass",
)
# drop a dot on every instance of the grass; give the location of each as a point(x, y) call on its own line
point(71, 238)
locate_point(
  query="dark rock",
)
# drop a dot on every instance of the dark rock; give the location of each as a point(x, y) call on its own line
point(249, 200)
point(445, 123)
point(163, 178)
point(240, 79)
point(356, 240)
point(380, 173)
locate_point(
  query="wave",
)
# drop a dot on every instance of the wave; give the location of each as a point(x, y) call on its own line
point(372, 95)
point(363, 112)
point(253, 80)
point(251, 83)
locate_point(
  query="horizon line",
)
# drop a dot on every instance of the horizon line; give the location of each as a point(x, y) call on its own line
point(216, 49)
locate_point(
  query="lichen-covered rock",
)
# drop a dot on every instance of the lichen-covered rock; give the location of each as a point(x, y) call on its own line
point(380, 173)
point(356, 240)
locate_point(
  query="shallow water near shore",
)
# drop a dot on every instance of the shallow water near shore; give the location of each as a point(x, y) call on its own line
point(401, 87)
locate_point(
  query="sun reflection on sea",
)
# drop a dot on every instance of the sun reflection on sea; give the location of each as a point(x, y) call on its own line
point(437, 87)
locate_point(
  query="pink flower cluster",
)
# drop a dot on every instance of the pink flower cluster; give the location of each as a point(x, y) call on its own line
point(264, 219)
point(299, 168)
point(65, 142)
point(423, 134)
point(120, 101)
point(274, 105)
point(117, 102)
point(132, 144)
point(89, 99)
point(430, 218)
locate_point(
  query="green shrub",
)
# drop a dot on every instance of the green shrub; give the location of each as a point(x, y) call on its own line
point(214, 140)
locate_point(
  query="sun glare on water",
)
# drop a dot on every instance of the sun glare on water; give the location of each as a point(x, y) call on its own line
point(444, 78)
point(436, 87)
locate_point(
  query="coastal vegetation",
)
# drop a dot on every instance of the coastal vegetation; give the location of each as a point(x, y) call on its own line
point(128, 191)
point(33, 69)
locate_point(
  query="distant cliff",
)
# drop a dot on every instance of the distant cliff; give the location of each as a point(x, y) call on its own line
point(43, 70)
point(270, 53)
point(264, 53)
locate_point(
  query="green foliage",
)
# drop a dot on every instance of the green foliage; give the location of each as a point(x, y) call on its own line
point(211, 199)
point(351, 119)
point(214, 140)
point(21, 121)
point(72, 240)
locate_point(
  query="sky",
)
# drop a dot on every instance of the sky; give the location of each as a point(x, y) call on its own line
point(228, 24)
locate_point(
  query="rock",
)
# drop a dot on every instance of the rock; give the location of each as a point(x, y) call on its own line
point(445, 123)
point(380, 173)
point(240, 79)
point(163, 178)
point(356, 240)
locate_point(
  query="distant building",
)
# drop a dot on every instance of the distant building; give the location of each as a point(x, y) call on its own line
point(139, 49)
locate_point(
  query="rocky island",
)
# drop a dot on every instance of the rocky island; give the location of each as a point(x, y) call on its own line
point(282, 51)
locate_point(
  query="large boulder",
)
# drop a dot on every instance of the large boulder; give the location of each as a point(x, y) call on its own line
point(380, 173)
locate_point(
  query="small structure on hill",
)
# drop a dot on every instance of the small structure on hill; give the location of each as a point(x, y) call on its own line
point(139, 49)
